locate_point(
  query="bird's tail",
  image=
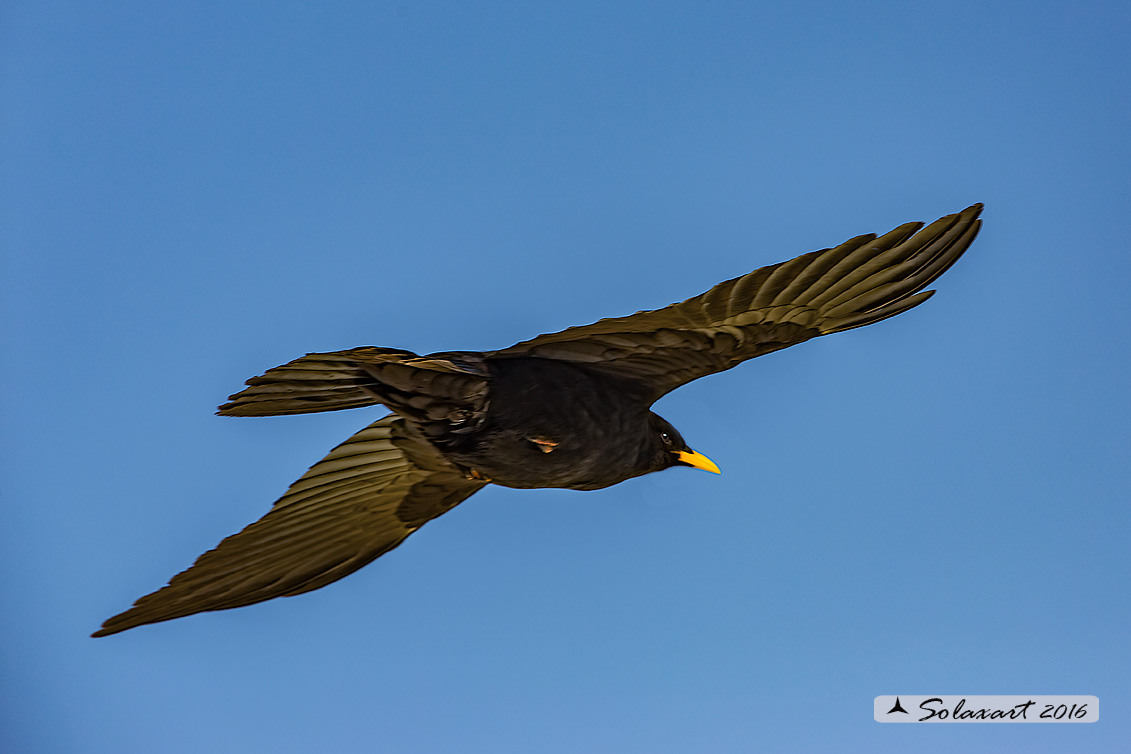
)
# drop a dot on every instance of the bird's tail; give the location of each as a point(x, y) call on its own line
point(361, 377)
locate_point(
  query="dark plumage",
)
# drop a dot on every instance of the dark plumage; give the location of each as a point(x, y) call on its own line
point(568, 409)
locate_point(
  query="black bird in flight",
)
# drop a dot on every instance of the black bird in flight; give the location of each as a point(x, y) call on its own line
point(567, 409)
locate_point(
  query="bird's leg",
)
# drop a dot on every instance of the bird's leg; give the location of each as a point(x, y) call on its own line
point(476, 475)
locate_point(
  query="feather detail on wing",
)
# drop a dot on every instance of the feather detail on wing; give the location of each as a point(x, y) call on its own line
point(356, 504)
point(864, 280)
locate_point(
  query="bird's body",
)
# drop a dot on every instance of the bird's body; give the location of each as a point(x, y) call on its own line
point(593, 434)
point(570, 409)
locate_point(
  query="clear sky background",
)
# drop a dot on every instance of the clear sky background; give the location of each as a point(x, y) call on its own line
point(195, 192)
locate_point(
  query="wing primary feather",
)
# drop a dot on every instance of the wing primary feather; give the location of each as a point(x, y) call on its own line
point(806, 286)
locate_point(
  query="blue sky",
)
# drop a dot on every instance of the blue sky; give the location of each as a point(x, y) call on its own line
point(195, 192)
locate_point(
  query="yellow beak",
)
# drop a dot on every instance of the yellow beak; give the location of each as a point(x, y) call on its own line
point(698, 460)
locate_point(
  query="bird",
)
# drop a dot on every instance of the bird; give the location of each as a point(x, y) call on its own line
point(570, 409)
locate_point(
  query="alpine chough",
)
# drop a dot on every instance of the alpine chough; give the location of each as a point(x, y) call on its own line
point(568, 409)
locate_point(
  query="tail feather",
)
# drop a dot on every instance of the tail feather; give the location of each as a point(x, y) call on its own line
point(315, 382)
point(441, 392)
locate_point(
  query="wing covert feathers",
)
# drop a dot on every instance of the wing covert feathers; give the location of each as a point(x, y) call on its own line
point(862, 281)
point(360, 501)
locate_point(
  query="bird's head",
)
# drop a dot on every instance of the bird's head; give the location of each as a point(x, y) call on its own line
point(668, 448)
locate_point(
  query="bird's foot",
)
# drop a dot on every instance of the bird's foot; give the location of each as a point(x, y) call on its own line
point(476, 475)
point(544, 444)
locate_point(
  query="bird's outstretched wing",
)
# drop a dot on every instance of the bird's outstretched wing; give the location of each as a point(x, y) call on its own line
point(864, 280)
point(356, 504)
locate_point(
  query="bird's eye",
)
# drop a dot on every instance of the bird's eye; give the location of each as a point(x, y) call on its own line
point(664, 436)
